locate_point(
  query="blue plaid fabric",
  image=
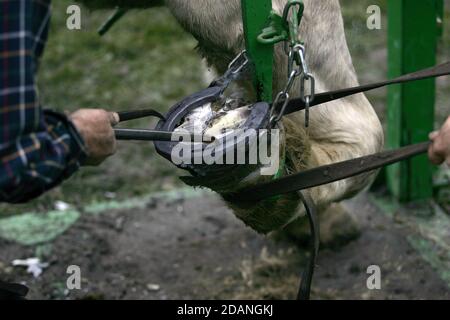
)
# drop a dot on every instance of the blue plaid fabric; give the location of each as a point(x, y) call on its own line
point(38, 149)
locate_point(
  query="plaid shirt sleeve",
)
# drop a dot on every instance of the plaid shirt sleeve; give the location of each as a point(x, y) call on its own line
point(38, 149)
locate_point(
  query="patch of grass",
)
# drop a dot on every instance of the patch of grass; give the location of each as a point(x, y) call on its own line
point(271, 276)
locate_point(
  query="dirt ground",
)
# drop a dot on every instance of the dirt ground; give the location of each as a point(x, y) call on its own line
point(183, 245)
point(192, 247)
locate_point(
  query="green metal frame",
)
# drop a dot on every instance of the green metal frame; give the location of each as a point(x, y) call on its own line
point(255, 16)
point(413, 35)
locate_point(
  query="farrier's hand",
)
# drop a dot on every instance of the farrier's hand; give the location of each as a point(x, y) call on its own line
point(439, 150)
point(96, 128)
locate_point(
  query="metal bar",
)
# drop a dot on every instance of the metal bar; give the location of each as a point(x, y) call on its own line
point(154, 135)
point(139, 114)
point(255, 15)
point(116, 16)
point(412, 46)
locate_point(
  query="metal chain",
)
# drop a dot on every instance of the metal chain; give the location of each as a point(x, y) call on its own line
point(306, 78)
point(238, 63)
point(234, 71)
point(282, 98)
point(297, 67)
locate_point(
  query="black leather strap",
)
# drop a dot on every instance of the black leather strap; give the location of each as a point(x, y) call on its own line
point(12, 291)
point(321, 98)
point(304, 290)
point(327, 174)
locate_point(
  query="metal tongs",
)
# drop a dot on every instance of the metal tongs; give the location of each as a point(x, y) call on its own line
point(147, 134)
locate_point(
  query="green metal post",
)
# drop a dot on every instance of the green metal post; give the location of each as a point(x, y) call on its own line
point(255, 15)
point(413, 36)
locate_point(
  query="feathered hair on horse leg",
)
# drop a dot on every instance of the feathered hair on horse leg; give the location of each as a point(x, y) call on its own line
point(126, 4)
point(275, 213)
